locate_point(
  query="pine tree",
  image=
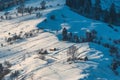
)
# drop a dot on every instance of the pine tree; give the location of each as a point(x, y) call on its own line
point(69, 3)
point(77, 4)
point(112, 13)
point(97, 10)
point(82, 2)
point(106, 16)
point(64, 34)
point(87, 7)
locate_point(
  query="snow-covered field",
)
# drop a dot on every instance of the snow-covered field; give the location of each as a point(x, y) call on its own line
point(23, 54)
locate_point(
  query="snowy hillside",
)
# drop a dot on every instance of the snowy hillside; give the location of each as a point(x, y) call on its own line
point(79, 25)
point(45, 33)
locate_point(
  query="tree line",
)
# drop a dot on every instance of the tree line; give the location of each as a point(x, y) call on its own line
point(69, 36)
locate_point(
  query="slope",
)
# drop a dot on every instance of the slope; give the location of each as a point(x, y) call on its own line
point(24, 57)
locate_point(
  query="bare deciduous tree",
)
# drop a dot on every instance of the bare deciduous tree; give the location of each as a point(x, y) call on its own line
point(72, 52)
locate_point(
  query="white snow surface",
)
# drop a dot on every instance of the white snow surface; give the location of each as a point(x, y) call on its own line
point(23, 54)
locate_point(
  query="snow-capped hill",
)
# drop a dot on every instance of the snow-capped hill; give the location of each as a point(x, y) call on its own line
point(33, 48)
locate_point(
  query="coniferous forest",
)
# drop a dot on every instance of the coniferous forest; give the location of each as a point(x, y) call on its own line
point(95, 11)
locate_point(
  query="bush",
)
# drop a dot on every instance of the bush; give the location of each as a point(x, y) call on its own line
point(1, 45)
point(58, 4)
point(116, 30)
point(7, 64)
point(45, 20)
point(91, 35)
point(42, 57)
point(14, 74)
point(1, 67)
point(113, 50)
point(106, 45)
point(3, 71)
point(42, 51)
point(45, 52)
point(110, 26)
point(114, 66)
point(50, 6)
point(52, 17)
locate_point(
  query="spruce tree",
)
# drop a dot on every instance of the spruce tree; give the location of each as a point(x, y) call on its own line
point(82, 2)
point(112, 13)
point(106, 16)
point(70, 3)
point(64, 34)
point(87, 7)
point(97, 10)
point(67, 2)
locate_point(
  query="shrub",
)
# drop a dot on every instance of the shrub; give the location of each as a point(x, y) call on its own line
point(113, 50)
point(7, 64)
point(115, 30)
point(42, 57)
point(52, 17)
point(14, 74)
point(58, 4)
